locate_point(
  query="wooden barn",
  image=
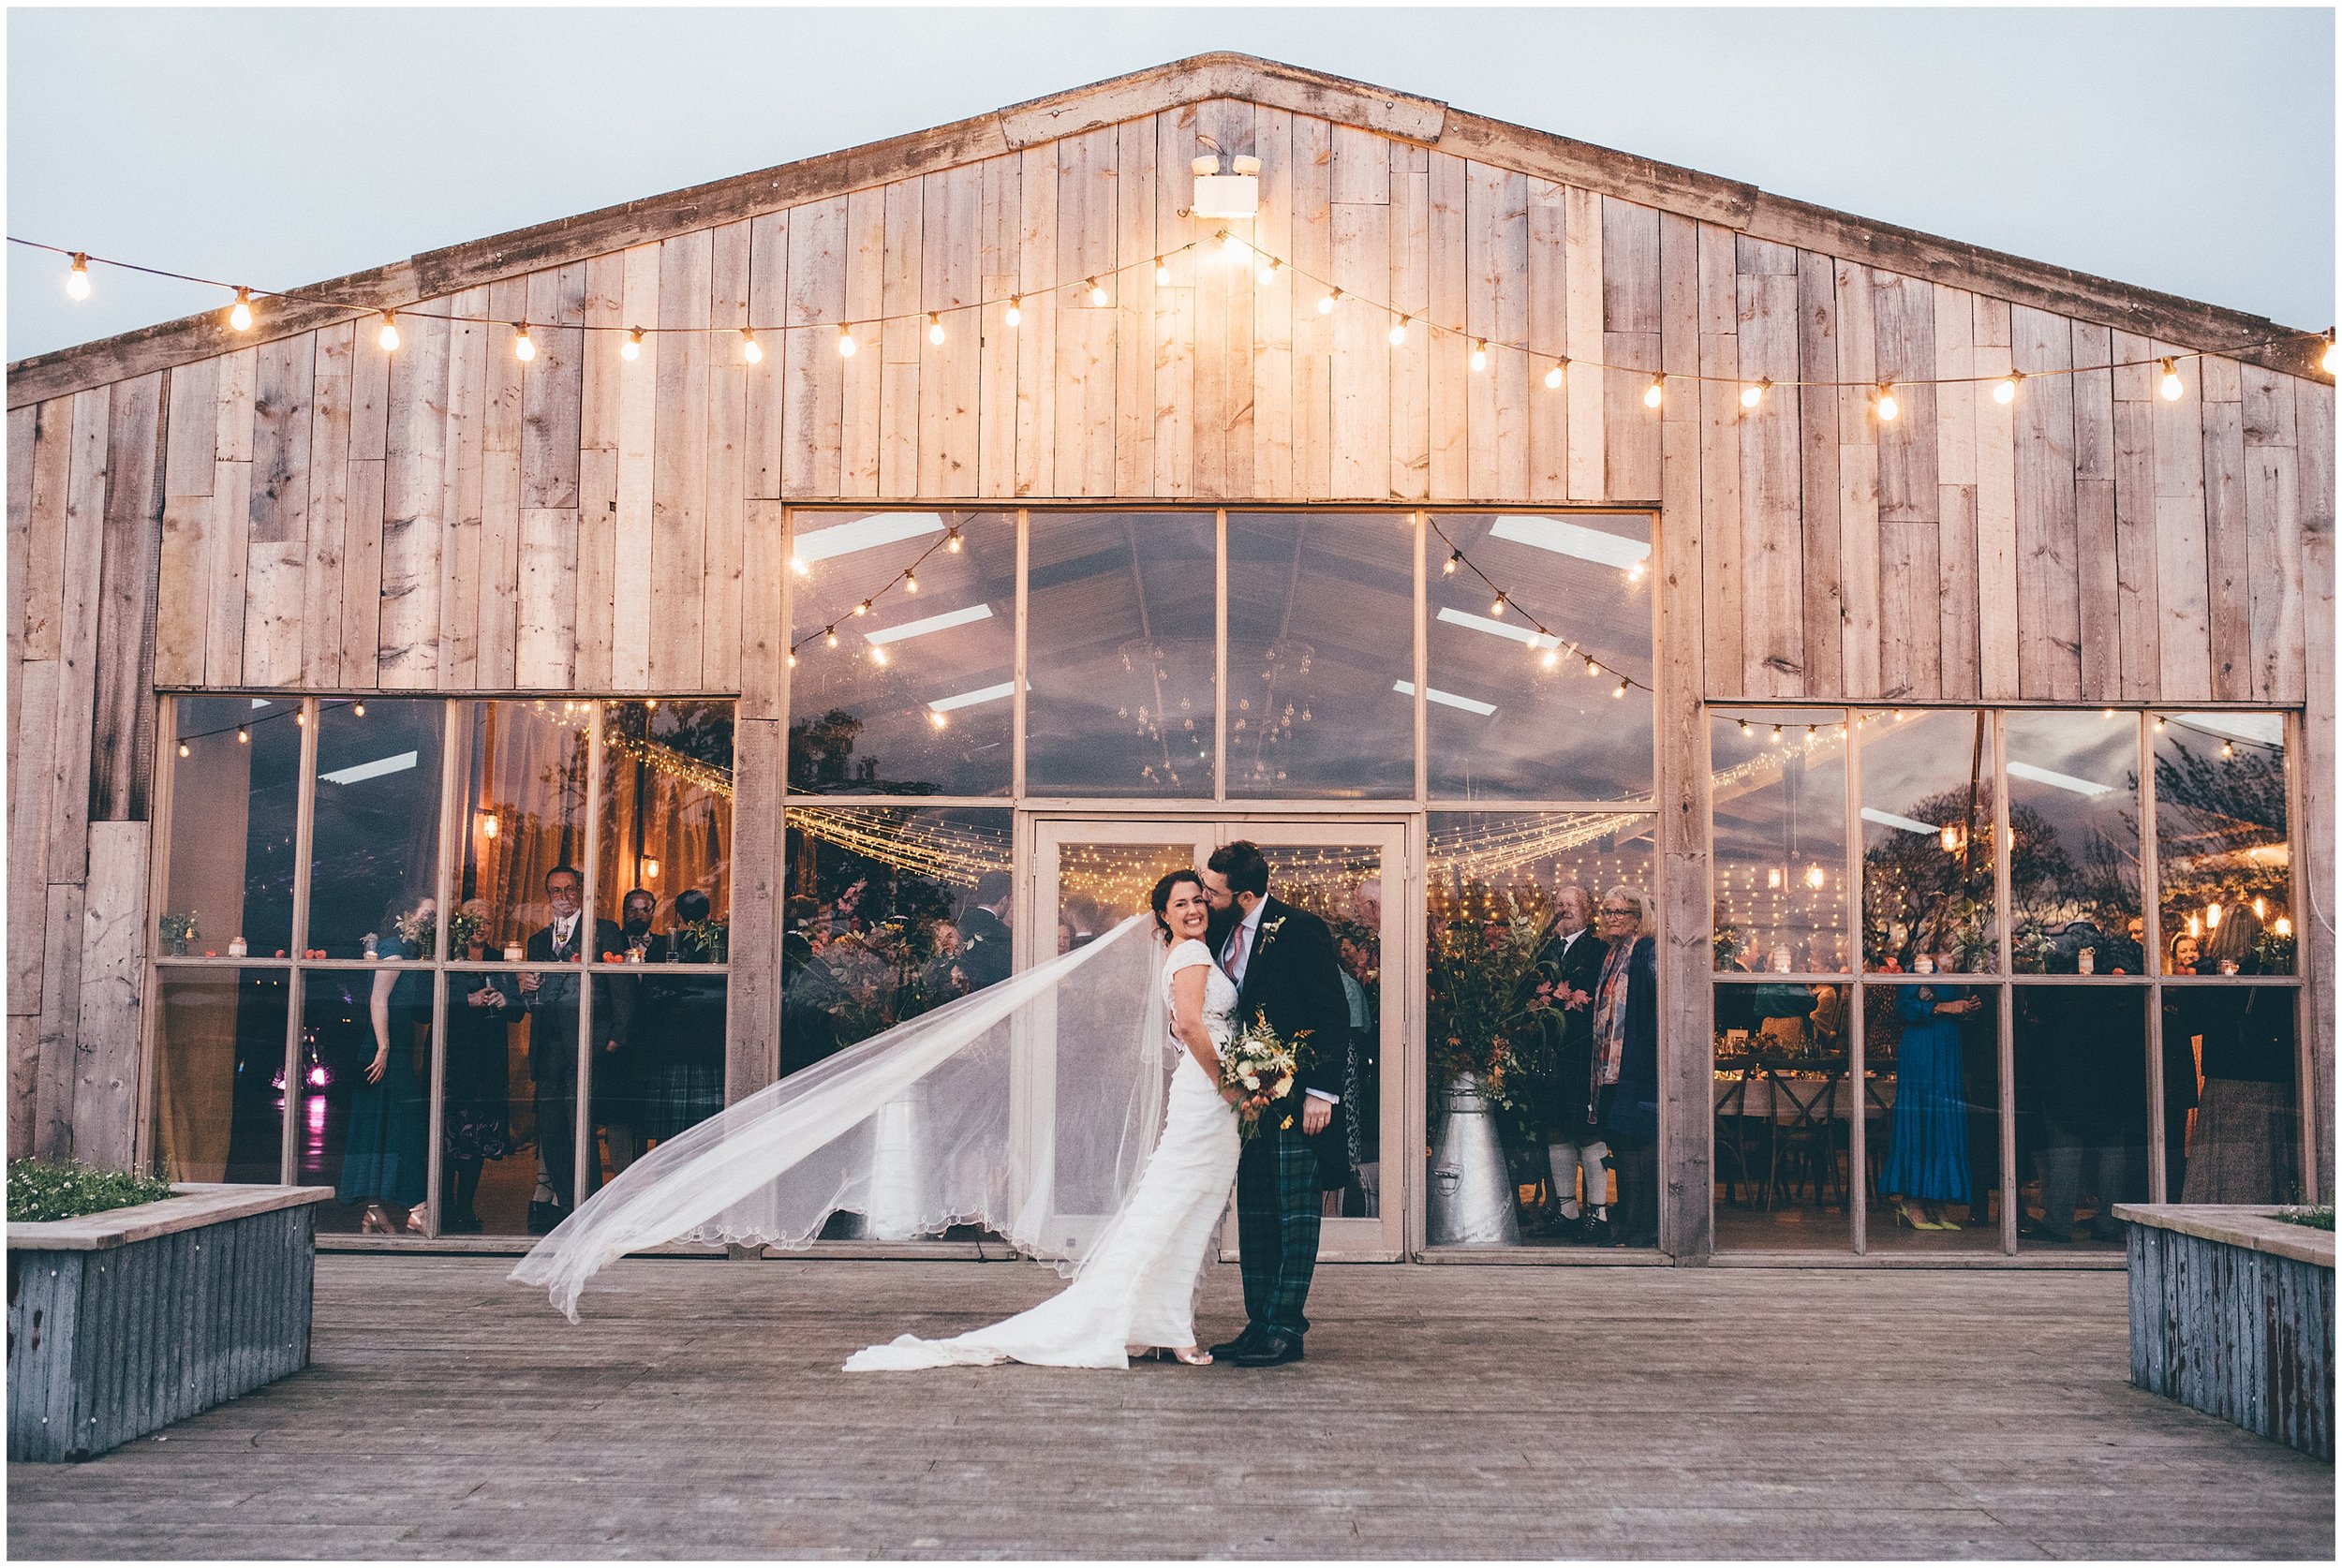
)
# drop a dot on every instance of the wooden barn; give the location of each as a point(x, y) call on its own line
point(804, 597)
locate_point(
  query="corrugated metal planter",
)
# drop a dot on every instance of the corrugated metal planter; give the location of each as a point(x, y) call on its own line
point(2231, 1311)
point(122, 1323)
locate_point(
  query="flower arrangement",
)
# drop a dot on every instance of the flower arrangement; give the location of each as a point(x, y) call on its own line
point(463, 930)
point(1262, 1067)
point(178, 931)
point(703, 942)
point(1483, 981)
point(419, 932)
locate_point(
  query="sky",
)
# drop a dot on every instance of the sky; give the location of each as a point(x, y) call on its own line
point(2185, 150)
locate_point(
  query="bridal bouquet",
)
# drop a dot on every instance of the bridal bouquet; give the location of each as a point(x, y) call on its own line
point(1259, 1062)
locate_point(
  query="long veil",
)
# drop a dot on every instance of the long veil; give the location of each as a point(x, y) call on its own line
point(1028, 1107)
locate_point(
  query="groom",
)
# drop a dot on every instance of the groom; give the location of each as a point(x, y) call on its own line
point(1284, 964)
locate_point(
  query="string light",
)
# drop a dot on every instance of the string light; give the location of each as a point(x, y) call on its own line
point(829, 634)
point(1232, 246)
point(878, 655)
point(243, 736)
point(1326, 302)
point(1449, 569)
point(240, 313)
point(935, 327)
point(2171, 386)
point(1592, 667)
point(796, 564)
point(184, 750)
point(910, 583)
point(1398, 330)
point(1497, 609)
point(632, 350)
point(845, 340)
point(1887, 405)
point(77, 278)
point(1620, 689)
point(1656, 393)
point(1162, 273)
point(863, 608)
point(358, 708)
point(1097, 292)
point(387, 339)
point(2330, 360)
point(1558, 374)
point(2228, 750)
point(2005, 390)
point(1753, 392)
point(951, 541)
point(751, 349)
point(1746, 727)
point(941, 720)
point(1268, 270)
point(1480, 355)
point(1016, 311)
point(524, 349)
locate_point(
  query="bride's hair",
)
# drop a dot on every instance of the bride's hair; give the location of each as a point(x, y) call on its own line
point(1161, 897)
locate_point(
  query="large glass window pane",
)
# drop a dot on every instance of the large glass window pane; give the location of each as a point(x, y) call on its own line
point(1779, 802)
point(1320, 678)
point(2082, 1111)
point(376, 848)
point(2073, 829)
point(1784, 1105)
point(667, 1073)
point(2222, 842)
point(1931, 1108)
point(235, 794)
point(523, 765)
point(1514, 713)
point(1523, 1142)
point(488, 1163)
point(2231, 1124)
point(1927, 842)
point(362, 1118)
point(1121, 654)
point(892, 911)
point(219, 1074)
point(913, 697)
point(666, 817)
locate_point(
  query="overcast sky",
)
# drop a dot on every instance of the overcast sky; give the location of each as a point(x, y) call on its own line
point(2191, 150)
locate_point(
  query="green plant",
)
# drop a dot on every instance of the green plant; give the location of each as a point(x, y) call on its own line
point(2319, 1217)
point(64, 1190)
point(178, 931)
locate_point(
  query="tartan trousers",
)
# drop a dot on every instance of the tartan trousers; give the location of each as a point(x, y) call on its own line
point(1278, 1212)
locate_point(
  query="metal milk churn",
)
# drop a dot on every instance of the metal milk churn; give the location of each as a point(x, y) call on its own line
point(1472, 1195)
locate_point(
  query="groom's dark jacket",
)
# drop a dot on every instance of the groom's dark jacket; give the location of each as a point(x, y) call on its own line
point(1294, 976)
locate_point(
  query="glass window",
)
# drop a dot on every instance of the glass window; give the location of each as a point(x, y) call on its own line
point(667, 1071)
point(219, 1079)
point(1927, 842)
point(1514, 712)
point(1784, 1109)
point(1931, 1108)
point(523, 767)
point(2081, 1112)
point(666, 818)
point(375, 849)
point(2221, 843)
point(1321, 691)
point(2073, 828)
point(915, 696)
point(489, 1170)
point(1121, 654)
point(1522, 1145)
point(360, 1122)
point(1779, 797)
point(2232, 1128)
point(892, 911)
point(235, 788)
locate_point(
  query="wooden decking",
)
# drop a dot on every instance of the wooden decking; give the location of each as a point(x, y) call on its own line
point(1443, 1412)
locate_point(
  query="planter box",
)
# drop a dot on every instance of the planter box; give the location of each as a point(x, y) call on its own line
point(2231, 1311)
point(122, 1323)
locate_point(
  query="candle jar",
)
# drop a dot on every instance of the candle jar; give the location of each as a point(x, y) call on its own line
point(512, 954)
point(236, 947)
point(2086, 961)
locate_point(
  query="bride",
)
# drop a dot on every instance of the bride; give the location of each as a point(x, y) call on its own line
point(1136, 1289)
point(1028, 1107)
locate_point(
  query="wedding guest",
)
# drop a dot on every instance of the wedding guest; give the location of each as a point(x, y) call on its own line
point(807, 1033)
point(1625, 1080)
point(1927, 1154)
point(384, 1161)
point(1362, 1077)
point(1569, 967)
point(475, 1120)
point(986, 953)
point(2183, 1033)
point(2246, 1149)
point(551, 1002)
point(679, 1029)
point(2085, 1057)
point(618, 1087)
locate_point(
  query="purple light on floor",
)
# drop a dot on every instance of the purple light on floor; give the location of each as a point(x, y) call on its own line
point(317, 1077)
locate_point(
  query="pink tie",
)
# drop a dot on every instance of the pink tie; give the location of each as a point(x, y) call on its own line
point(1232, 956)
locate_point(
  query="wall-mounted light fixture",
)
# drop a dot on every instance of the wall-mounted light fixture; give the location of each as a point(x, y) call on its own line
point(1235, 195)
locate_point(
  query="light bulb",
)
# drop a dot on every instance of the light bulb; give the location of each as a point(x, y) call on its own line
point(1746, 727)
point(1556, 375)
point(951, 541)
point(829, 635)
point(2005, 390)
point(2158, 725)
point(793, 659)
point(388, 337)
point(523, 348)
point(77, 280)
point(1591, 668)
point(1815, 876)
point(1231, 247)
point(300, 719)
point(1776, 732)
point(910, 583)
point(845, 341)
point(2330, 360)
point(2171, 386)
point(1097, 294)
point(1398, 330)
point(1619, 691)
point(2261, 908)
point(1553, 659)
point(182, 748)
point(1480, 355)
point(1888, 406)
point(1268, 270)
point(2282, 926)
point(1016, 311)
point(751, 349)
point(632, 350)
point(1326, 302)
point(1453, 557)
point(2212, 917)
point(1162, 273)
point(863, 608)
point(796, 564)
point(1497, 609)
point(243, 737)
point(240, 313)
point(935, 327)
point(877, 655)
point(2228, 748)
point(941, 720)
point(1656, 393)
point(1754, 393)
point(358, 708)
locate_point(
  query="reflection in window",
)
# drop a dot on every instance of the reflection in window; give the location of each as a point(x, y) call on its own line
point(219, 1076)
point(1510, 901)
point(668, 1071)
point(666, 813)
point(1515, 715)
point(2073, 822)
point(1784, 1108)
point(891, 911)
point(2221, 843)
point(1779, 799)
point(2232, 1123)
point(1930, 1099)
point(1342, 885)
point(376, 847)
point(522, 764)
point(2082, 1111)
point(362, 1120)
point(1120, 654)
point(1320, 676)
point(485, 1122)
point(913, 698)
point(236, 786)
point(1927, 842)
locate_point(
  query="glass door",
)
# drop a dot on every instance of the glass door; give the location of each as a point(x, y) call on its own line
point(1088, 875)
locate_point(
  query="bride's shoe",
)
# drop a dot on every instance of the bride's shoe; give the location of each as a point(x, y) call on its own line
point(1192, 1357)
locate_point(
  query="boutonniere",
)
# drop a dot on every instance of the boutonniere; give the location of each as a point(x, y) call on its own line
point(1271, 928)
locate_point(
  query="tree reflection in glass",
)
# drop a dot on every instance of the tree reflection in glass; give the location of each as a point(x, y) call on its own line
point(2073, 810)
point(2223, 852)
point(1927, 841)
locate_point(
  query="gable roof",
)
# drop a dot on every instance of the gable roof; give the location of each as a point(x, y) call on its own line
point(1426, 122)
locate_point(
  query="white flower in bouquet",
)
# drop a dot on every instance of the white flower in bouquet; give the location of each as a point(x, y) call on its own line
point(1260, 1063)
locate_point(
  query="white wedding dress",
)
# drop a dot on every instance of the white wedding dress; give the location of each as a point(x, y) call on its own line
point(1139, 1284)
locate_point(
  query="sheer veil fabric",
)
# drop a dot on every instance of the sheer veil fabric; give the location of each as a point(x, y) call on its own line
point(1028, 1107)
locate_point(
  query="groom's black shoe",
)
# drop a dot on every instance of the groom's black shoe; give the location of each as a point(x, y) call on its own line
point(1272, 1349)
point(1238, 1345)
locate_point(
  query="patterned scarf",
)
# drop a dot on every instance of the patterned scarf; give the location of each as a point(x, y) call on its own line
point(1609, 1012)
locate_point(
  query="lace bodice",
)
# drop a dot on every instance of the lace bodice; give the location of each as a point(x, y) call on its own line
point(1219, 991)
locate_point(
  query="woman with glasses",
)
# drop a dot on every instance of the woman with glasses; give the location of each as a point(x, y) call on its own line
point(1625, 1069)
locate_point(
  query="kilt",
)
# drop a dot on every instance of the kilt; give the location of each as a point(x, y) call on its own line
point(2244, 1150)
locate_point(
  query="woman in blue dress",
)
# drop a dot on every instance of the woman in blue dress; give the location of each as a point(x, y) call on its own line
point(384, 1161)
point(1927, 1160)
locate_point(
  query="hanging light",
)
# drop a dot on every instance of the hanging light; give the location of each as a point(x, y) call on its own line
point(650, 868)
point(1232, 246)
point(632, 350)
point(796, 564)
point(2228, 748)
point(1815, 876)
point(300, 719)
point(1097, 293)
point(1497, 609)
point(751, 349)
point(1776, 734)
point(1016, 311)
point(1591, 668)
point(910, 582)
point(829, 635)
point(77, 278)
point(2158, 724)
point(2330, 360)
point(387, 339)
point(1552, 658)
point(863, 608)
point(1746, 727)
point(1268, 270)
point(359, 709)
point(1326, 302)
point(2212, 913)
point(935, 327)
point(487, 823)
point(2005, 390)
point(2282, 926)
point(2171, 386)
point(183, 748)
point(941, 720)
point(1162, 273)
point(1480, 355)
point(1398, 330)
point(1888, 406)
point(1656, 393)
point(845, 340)
point(793, 659)
point(524, 349)
point(1753, 392)
point(878, 655)
point(951, 541)
point(1620, 689)
point(1449, 569)
point(1558, 374)
point(1954, 836)
point(243, 736)
point(240, 313)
